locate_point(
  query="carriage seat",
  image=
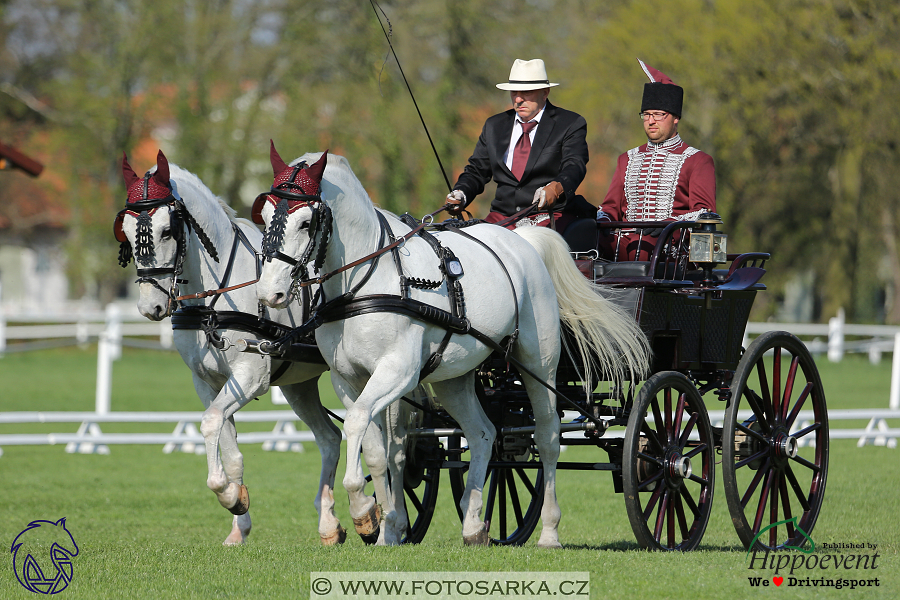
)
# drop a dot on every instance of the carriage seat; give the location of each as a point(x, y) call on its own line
point(631, 268)
point(581, 235)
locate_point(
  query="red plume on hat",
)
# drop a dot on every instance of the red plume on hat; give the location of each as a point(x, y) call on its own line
point(661, 93)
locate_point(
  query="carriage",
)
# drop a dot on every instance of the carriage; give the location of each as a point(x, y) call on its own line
point(660, 443)
point(772, 436)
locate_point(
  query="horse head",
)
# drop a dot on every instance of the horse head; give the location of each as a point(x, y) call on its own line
point(151, 230)
point(298, 223)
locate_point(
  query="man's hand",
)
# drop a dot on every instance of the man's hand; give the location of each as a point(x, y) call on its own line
point(547, 195)
point(456, 202)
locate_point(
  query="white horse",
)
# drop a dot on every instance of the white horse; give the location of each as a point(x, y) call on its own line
point(177, 227)
point(376, 357)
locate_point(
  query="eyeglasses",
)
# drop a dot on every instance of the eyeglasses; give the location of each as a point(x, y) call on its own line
point(657, 116)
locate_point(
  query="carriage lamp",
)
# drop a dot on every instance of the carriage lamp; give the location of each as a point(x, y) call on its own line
point(707, 244)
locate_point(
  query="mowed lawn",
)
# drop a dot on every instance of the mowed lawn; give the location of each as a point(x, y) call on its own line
point(147, 526)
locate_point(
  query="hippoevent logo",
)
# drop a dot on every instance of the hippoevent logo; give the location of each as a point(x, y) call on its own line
point(803, 566)
point(42, 556)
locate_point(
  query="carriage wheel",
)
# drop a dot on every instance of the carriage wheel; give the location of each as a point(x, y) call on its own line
point(420, 489)
point(420, 492)
point(513, 498)
point(774, 464)
point(668, 464)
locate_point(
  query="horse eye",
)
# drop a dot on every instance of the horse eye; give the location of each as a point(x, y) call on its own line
point(304, 225)
point(166, 233)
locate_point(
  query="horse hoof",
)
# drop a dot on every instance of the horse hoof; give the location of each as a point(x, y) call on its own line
point(242, 504)
point(368, 526)
point(482, 538)
point(339, 536)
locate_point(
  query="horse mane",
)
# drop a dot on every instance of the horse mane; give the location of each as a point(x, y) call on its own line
point(190, 187)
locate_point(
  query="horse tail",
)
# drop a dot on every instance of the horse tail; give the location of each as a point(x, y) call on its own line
point(608, 340)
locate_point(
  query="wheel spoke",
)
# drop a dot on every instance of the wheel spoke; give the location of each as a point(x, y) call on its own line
point(798, 491)
point(752, 433)
point(682, 521)
point(757, 405)
point(807, 430)
point(697, 479)
point(806, 463)
point(696, 451)
point(501, 486)
point(753, 484)
point(658, 421)
point(651, 503)
point(525, 481)
point(688, 428)
point(689, 500)
point(514, 497)
point(411, 494)
point(492, 494)
point(661, 516)
point(773, 508)
point(651, 459)
point(776, 384)
point(789, 422)
point(763, 497)
point(650, 480)
point(750, 459)
point(667, 396)
point(766, 400)
point(789, 388)
point(786, 507)
point(653, 438)
point(670, 521)
point(679, 413)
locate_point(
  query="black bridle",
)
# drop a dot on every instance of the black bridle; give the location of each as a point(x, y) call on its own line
point(180, 224)
point(290, 198)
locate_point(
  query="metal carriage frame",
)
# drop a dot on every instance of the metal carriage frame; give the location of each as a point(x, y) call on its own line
point(774, 467)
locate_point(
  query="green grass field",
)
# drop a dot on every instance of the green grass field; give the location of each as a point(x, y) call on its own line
point(147, 527)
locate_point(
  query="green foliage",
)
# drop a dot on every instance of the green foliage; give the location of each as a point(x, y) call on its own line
point(791, 97)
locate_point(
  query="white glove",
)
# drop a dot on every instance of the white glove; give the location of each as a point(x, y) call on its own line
point(456, 201)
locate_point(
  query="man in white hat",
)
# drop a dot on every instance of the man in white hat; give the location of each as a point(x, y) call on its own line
point(662, 180)
point(535, 152)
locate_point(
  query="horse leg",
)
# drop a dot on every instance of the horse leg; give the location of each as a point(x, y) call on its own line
point(393, 378)
point(368, 511)
point(458, 397)
point(304, 399)
point(240, 524)
point(546, 431)
point(396, 521)
point(248, 380)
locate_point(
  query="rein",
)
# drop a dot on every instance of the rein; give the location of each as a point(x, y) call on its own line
point(398, 242)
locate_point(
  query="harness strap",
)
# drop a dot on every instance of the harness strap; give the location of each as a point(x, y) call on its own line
point(515, 334)
point(217, 292)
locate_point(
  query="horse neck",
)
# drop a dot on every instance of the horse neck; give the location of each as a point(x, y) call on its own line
point(355, 235)
point(200, 270)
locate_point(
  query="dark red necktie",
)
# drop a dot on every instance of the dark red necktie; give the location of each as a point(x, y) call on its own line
point(522, 150)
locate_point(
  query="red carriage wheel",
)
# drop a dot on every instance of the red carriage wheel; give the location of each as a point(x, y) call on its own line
point(775, 457)
point(668, 464)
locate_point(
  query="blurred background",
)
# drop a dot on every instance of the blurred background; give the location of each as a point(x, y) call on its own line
point(795, 100)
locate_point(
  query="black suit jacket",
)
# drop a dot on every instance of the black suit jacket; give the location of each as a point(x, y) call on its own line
point(559, 152)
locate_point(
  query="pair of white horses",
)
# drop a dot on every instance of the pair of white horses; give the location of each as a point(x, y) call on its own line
point(377, 358)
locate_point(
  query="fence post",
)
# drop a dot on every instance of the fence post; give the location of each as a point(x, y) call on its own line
point(895, 375)
point(109, 348)
point(836, 337)
point(2, 325)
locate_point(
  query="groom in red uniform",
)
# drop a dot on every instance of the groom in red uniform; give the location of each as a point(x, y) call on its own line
point(663, 180)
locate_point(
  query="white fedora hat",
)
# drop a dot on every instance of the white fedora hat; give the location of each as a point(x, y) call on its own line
point(527, 75)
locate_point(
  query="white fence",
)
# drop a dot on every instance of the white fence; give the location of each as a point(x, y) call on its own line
point(118, 326)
